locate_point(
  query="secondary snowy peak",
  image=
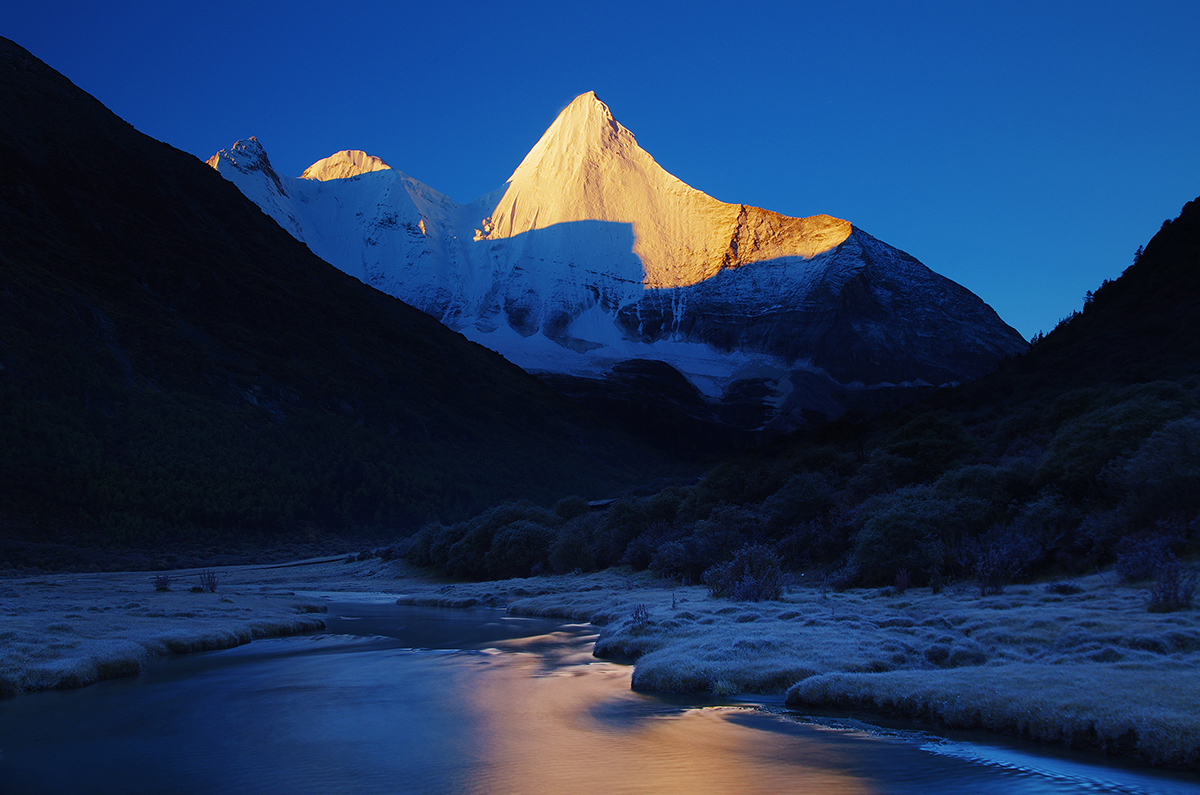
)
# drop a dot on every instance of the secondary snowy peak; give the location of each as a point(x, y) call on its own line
point(247, 157)
point(340, 165)
point(588, 168)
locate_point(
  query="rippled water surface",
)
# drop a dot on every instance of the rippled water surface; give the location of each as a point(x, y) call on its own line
point(396, 700)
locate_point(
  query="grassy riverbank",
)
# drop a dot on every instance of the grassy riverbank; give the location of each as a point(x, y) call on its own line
point(1088, 668)
point(70, 630)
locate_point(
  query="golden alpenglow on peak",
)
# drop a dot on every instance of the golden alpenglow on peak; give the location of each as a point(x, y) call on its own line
point(587, 167)
point(340, 165)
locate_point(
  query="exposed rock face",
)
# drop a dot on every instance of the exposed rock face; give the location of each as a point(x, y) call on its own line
point(593, 255)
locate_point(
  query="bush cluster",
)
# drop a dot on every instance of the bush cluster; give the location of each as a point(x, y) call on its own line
point(751, 576)
point(1049, 486)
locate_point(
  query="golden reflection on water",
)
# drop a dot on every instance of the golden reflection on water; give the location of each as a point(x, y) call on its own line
point(560, 721)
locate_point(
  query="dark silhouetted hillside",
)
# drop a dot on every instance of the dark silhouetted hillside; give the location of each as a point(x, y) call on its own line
point(175, 368)
point(1142, 326)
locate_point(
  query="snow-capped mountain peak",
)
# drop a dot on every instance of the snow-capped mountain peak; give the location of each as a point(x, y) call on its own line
point(588, 168)
point(583, 132)
point(247, 157)
point(593, 256)
point(340, 165)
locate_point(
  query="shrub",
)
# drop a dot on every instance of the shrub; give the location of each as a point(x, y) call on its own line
point(738, 482)
point(820, 540)
point(641, 549)
point(664, 506)
point(1116, 426)
point(570, 507)
point(162, 582)
point(572, 547)
point(1000, 557)
point(675, 559)
point(443, 539)
point(208, 581)
point(1139, 559)
point(912, 528)
point(1098, 533)
point(465, 549)
point(931, 442)
point(624, 521)
point(1173, 588)
point(727, 529)
point(808, 496)
point(465, 557)
point(884, 472)
point(842, 578)
point(1048, 518)
point(1160, 478)
point(752, 576)
point(998, 485)
point(516, 549)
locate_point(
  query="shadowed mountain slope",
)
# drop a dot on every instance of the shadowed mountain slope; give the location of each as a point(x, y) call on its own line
point(173, 365)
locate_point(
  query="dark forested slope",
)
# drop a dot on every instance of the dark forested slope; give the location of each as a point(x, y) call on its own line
point(175, 367)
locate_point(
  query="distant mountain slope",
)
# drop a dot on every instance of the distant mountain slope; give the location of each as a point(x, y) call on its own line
point(593, 258)
point(173, 364)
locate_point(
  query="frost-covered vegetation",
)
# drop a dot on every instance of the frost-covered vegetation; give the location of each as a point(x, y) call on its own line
point(60, 631)
point(1080, 662)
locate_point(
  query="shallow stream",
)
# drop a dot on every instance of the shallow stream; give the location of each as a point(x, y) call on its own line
point(400, 699)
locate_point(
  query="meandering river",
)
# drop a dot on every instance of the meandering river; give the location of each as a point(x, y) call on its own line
point(398, 699)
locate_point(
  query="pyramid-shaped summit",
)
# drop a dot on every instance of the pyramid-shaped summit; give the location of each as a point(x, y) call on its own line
point(593, 256)
point(585, 132)
point(587, 167)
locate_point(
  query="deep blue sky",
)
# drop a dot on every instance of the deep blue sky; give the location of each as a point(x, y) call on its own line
point(1024, 149)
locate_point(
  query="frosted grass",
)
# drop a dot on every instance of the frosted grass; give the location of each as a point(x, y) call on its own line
point(1090, 670)
point(62, 631)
